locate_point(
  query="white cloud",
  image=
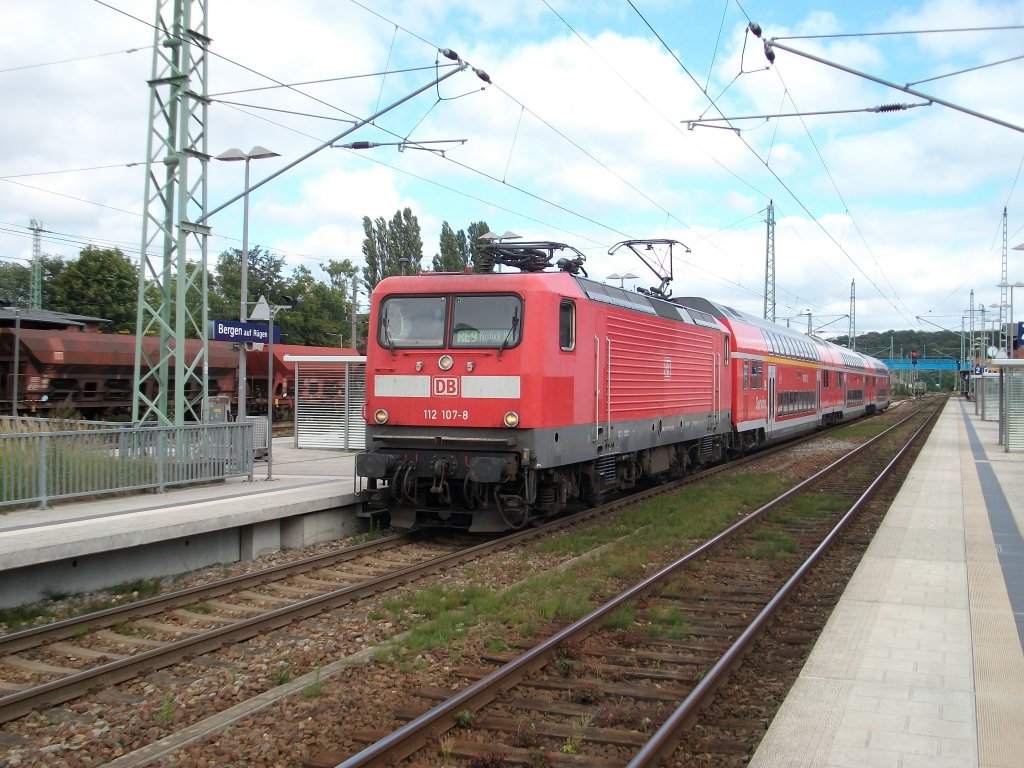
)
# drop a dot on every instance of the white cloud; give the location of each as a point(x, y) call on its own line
point(912, 197)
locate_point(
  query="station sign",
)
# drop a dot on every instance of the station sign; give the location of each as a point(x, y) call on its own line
point(239, 332)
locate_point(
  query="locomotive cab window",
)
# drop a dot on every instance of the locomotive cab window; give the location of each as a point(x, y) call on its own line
point(487, 321)
point(412, 321)
point(567, 326)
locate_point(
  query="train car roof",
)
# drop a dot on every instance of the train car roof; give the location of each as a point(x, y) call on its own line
point(651, 305)
point(761, 335)
point(28, 317)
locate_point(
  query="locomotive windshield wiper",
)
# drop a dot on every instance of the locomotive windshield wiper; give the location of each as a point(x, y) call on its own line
point(387, 333)
point(511, 331)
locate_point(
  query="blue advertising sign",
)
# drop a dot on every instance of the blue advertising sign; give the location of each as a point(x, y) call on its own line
point(238, 332)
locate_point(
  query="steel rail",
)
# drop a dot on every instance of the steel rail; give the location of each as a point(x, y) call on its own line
point(108, 617)
point(667, 736)
point(64, 689)
point(414, 735)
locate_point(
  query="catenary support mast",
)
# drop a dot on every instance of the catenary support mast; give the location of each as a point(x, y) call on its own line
point(172, 302)
point(35, 296)
point(769, 266)
point(852, 335)
point(1004, 337)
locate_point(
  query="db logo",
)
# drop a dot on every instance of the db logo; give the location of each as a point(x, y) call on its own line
point(444, 386)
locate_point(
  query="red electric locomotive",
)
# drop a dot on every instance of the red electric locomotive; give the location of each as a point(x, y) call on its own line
point(493, 399)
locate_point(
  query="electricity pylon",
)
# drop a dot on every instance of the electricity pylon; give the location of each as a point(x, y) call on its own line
point(172, 289)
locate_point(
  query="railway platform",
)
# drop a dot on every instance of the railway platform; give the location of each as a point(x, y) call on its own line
point(921, 664)
point(81, 546)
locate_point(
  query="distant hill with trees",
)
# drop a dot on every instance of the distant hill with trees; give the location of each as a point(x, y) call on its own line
point(899, 344)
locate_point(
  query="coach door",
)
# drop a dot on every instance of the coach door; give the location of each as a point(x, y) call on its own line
point(771, 401)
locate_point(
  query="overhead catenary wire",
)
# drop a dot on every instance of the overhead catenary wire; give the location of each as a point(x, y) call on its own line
point(488, 198)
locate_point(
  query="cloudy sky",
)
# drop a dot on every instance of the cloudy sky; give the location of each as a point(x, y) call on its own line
point(602, 122)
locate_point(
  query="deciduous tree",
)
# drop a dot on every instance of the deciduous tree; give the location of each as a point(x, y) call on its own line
point(101, 282)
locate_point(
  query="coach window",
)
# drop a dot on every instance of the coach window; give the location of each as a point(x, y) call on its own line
point(746, 374)
point(567, 326)
point(726, 355)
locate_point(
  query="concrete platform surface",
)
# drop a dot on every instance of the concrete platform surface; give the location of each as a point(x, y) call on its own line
point(183, 521)
point(921, 663)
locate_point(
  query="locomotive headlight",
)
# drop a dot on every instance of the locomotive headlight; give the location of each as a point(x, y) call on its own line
point(511, 419)
point(380, 416)
point(445, 362)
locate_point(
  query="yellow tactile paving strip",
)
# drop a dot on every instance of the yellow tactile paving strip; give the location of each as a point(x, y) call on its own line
point(998, 671)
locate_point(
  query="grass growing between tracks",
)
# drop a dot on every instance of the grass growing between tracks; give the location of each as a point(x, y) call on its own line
point(621, 552)
point(64, 606)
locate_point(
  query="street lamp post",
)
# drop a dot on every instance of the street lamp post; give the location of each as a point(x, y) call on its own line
point(256, 153)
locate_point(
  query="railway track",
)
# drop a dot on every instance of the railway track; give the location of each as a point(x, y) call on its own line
point(193, 624)
point(599, 692)
point(57, 662)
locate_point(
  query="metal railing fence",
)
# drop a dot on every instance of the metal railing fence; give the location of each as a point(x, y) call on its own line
point(40, 466)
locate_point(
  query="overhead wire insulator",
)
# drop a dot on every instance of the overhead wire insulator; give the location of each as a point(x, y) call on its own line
point(891, 107)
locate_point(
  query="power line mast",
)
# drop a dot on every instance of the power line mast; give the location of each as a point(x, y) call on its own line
point(852, 334)
point(769, 266)
point(1004, 342)
point(172, 302)
point(35, 296)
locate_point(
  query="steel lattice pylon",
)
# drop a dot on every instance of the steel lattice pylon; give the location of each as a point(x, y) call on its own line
point(769, 266)
point(173, 290)
point(35, 297)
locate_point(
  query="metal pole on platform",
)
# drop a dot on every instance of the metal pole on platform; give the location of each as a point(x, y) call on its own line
point(270, 396)
point(231, 155)
point(17, 360)
point(274, 309)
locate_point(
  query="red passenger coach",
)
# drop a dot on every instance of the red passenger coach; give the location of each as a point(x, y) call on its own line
point(495, 398)
point(787, 382)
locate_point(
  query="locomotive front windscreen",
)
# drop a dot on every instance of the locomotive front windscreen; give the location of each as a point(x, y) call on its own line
point(480, 321)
